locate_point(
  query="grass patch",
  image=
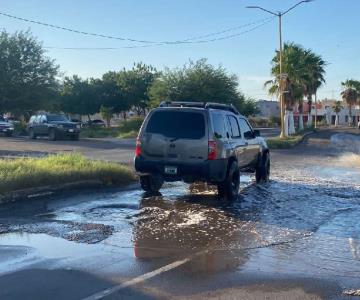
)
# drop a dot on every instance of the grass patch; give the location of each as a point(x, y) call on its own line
point(126, 129)
point(284, 143)
point(287, 142)
point(24, 173)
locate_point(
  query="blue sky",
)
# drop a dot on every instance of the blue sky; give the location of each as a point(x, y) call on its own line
point(329, 27)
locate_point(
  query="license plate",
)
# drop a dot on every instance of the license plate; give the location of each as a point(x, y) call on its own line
point(170, 170)
point(71, 130)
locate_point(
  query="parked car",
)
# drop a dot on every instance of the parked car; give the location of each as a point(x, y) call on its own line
point(94, 123)
point(54, 126)
point(12, 120)
point(192, 142)
point(6, 128)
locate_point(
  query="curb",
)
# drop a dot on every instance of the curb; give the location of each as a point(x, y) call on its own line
point(52, 189)
point(297, 143)
point(47, 190)
point(304, 136)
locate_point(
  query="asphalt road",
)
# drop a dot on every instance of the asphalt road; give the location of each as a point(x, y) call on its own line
point(111, 149)
point(297, 237)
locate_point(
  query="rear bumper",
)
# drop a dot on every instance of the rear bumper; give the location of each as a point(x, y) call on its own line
point(67, 132)
point(210, 170)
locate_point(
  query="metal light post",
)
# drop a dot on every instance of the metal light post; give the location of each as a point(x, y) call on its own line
point(281, 75)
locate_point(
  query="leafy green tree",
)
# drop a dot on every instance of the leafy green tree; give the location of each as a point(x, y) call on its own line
point(27, 76)
point(200, 82)
point(135, 85)
point(79, 96)
point(111, 94)
point(107, 114)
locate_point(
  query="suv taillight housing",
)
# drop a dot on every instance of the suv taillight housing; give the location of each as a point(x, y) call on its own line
point(138, 148)
point(212, 152)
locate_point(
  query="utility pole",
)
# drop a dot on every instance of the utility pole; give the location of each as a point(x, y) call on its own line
point(282, 76)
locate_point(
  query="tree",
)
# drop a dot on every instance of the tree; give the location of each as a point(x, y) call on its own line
point(337, 109)
point(27, 76)
point(107, 114)
point(305, 74)
point(135, 85)
point(79, 96)
point(314, 77)
point(350, 96)
point(200, 82)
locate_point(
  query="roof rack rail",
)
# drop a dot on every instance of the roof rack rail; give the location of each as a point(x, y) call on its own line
point(206, 105)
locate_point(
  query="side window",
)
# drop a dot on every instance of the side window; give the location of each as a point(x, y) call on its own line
point(43, 119)
point(37, 119)
point(218, 122)
point(32, 119)
point(246, 129)
point(234, 126)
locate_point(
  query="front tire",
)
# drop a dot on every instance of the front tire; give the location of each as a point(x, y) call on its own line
point(230, 187)
point(32, 134)
point(75, 137)
point(151, 183)
point(262, 173)
point(52, 135)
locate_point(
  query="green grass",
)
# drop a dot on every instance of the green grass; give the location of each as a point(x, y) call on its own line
point(287, 142)
point(21, 173)
point(283, 143)
point(126, 129)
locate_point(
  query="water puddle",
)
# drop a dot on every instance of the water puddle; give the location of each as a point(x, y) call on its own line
point(307, 224)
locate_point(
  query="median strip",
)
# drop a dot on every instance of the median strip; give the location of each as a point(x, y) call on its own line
point(23, 175)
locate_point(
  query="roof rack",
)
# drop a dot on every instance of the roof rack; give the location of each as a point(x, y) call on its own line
point(206, 105)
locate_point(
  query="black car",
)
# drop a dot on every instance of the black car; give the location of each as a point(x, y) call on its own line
point(54, 126)
point(94, 123)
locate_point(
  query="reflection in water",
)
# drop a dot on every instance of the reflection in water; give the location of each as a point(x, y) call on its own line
point(355, 249)
point(179, 229)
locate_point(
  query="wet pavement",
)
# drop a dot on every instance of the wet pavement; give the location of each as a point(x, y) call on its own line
point(297, 236)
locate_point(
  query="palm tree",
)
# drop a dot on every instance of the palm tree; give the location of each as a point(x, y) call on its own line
point(314, 78)
point(354, 84)
point(350, 97)
point(305, 71)
point(337, 108)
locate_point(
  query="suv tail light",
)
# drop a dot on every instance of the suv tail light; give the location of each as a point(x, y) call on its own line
point(138, 147)
point(212, 154)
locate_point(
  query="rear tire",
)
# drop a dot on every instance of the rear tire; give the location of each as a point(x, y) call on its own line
point(32, 134)
point(230, 187)
point(52, 135)
point(262, 173)
point(151, 183)
point(75, 137)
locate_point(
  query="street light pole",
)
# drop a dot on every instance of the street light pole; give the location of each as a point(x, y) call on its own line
point(282, 104)
point(281, 75)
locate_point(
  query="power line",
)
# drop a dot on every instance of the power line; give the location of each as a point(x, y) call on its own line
point(188, 40)
point(167, 43)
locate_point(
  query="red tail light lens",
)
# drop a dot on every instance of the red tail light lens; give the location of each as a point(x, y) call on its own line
point(138, 148)
point(212, 154)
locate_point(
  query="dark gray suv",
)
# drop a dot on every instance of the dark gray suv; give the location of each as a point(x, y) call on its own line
point(207, 142)
point(54, 126)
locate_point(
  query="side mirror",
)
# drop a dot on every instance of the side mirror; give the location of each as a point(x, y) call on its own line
point(256, 133)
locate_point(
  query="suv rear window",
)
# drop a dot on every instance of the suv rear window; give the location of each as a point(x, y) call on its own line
point(177, 124)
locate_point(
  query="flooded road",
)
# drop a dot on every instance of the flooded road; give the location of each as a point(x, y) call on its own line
point(300, 230)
